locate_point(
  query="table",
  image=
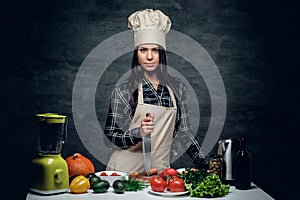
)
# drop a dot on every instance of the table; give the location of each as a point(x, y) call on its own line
point(255, 193)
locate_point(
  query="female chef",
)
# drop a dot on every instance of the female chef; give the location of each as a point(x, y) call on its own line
point(149, 89)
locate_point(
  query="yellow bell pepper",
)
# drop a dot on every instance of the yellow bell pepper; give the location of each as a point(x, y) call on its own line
point(79, 184)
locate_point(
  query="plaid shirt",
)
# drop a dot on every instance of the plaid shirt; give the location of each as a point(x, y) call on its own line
point(121, 113)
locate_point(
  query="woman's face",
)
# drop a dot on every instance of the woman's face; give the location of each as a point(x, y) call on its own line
point(148, 57)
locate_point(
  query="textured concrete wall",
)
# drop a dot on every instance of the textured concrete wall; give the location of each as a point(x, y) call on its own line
point(46, 42)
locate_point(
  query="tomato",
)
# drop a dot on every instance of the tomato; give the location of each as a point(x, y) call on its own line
point(103, 174)
point(115, 174)
point(170, 180)
point(168, 172)
point(158, 184)
point(177, 185)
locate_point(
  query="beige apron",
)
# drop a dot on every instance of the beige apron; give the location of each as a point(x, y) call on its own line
point(132, 160)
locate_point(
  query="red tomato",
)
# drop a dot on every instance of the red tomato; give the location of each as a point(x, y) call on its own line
point(115, 174)
point(177, 185)
point(168, 172)
point(158, 184)
point(103, 174)
point(170, 180)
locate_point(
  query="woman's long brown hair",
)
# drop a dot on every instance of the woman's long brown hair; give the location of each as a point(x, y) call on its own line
point(137, 75)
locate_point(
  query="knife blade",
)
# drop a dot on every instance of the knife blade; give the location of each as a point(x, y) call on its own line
point(147, 151)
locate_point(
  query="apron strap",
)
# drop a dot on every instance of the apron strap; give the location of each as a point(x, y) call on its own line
point(140, 94)
point(141, 97)
point(172, 97)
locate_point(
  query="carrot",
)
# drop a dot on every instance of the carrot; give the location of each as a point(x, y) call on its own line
point(153, 171)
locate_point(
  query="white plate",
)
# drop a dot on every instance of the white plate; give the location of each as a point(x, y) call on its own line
point(180, 170)
point(168, 193)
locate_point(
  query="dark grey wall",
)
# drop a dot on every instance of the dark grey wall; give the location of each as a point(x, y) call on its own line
point(251, 42)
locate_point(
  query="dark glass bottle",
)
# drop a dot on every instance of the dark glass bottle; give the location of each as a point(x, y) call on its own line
point(243, 166)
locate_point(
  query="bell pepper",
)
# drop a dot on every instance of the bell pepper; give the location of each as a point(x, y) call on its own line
point(79, 184)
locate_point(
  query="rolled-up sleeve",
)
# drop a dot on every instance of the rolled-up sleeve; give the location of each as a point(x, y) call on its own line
point(118, 122)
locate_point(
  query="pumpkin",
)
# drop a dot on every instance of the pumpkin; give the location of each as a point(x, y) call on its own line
point(79, 165)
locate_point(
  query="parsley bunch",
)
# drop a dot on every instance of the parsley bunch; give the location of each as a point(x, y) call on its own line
point(134, 185)
point(192, 177)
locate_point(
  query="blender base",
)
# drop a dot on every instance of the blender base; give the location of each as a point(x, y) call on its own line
point(48, 192)
point(49, 174)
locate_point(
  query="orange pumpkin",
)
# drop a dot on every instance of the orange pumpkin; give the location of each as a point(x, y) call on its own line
point(79, 165)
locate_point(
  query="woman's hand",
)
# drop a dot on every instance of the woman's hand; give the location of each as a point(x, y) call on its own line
point(147, 125)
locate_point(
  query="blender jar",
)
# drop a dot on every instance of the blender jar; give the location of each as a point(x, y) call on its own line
point(52, 133)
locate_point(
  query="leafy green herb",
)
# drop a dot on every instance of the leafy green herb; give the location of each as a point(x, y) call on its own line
point(134, 185)
point(192, 177)
point(210, 187)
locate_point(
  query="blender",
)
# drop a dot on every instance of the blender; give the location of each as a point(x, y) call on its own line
point(49, 171)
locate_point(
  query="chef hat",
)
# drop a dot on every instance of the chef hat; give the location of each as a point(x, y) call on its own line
point(149, 26)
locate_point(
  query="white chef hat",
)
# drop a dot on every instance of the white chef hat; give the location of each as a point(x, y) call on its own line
point(149, 26)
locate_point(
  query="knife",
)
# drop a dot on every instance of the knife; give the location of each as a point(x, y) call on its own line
point(147, 151)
